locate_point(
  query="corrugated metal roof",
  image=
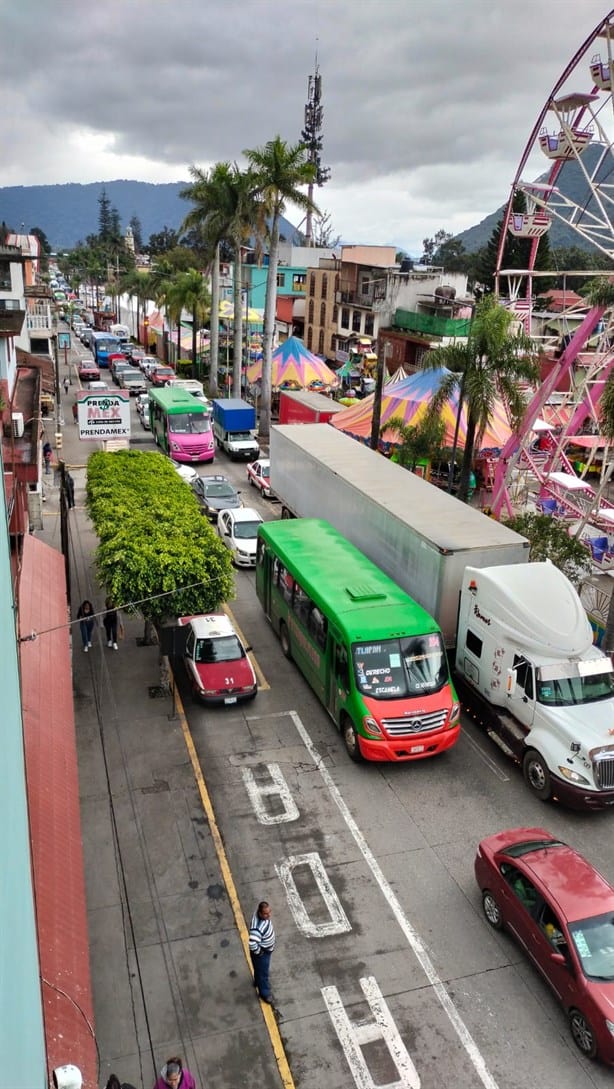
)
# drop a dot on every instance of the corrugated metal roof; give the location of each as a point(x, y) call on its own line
point(53, 803)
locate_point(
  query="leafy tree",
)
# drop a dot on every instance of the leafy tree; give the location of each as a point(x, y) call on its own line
point(189, 292)
point(42, 237)
point(549, 540)
point(137, 233)
point(162, 241)
point(417, 441)
point(139, 286)
point(485, 368)
point(431, 245)
point(281, 169)
point(157, 555)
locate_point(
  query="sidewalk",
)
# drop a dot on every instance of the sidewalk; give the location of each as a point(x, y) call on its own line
point(168, 971)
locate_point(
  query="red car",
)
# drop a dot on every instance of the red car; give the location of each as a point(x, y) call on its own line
point(160, 375)
point(89, 371)
point(259, 476)
point(561, 911)
point(216, 661)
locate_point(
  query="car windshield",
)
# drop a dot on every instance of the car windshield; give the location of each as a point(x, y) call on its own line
point(219, 491)
point(594, 942)
point(400, 667)
point(566, 691)
point(189, 423)
point(225, 649)
point(246, 531)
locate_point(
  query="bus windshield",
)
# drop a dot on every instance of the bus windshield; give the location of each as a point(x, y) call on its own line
point(397, 668)
point(189, 423)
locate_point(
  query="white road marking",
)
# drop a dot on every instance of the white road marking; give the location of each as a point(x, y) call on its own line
point(278, 787)
point(496, 770)
point(339, 922)
point(412, 936)
point(353, 1037)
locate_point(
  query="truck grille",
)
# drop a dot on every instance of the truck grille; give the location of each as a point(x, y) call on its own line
point(603, 769)
point(410, 725)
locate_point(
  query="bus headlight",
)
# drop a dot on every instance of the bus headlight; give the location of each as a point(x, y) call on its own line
point(454, 714)
point(371, 726)
point(175, 446)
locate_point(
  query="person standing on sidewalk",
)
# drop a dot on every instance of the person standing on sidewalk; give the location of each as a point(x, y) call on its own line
point(69, 488)
point(174, 1075)
point(261, 946)
point(66, 384)
point(85, 616)
point(111, 623)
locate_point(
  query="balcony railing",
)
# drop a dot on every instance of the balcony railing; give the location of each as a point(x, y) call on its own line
point(40, 317)
point(361, 298)
point(431, 324)
point(12, 313)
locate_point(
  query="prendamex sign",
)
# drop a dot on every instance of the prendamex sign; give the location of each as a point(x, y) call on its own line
point(104, 415)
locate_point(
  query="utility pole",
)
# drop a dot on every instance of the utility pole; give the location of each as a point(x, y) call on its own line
point(312, 138)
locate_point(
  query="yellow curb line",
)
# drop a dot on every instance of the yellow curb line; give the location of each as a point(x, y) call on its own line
point(267, 1011)
point(263, 684)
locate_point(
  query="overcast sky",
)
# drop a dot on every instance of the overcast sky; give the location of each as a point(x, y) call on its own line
point(428, 104)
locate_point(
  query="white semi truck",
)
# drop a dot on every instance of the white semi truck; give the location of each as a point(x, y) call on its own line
point(524, 658)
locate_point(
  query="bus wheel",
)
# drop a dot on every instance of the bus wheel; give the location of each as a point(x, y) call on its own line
point(284, 639)
point(350, 738)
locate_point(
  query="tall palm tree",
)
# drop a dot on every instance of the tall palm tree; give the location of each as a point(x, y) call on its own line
point(281, 169)
point(189, 292)
point(138, 286)
point(485, 368)
point(161, 278)
point(225, 208)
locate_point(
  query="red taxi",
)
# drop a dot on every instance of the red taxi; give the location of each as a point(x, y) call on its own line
point(216, 661)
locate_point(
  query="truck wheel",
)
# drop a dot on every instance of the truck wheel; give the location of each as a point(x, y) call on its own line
point(284, 638)
point(536, 775)
point(350, 739)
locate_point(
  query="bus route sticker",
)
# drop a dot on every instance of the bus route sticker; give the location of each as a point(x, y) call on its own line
point(102, 416)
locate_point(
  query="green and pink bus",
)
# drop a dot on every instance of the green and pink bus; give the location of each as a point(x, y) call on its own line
point(373, 656)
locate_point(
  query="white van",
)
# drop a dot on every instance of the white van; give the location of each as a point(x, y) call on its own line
point(122, 332)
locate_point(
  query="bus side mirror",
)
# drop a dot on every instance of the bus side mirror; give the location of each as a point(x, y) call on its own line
point(510, 687)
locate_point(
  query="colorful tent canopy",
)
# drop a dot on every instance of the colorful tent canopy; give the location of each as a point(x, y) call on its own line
point(226, 312)
point(295, 367)
point(409, 400)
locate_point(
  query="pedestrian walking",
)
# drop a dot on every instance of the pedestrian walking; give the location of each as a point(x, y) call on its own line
point(112, 623)
point(47, 454)
point(261, 946)
point(174, 1075)
point(85, 616)
point(69, 488)
point(66, 384)
point(115, 1083)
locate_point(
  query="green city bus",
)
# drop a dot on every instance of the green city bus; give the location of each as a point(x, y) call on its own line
point(181, 424)
point(373, 656)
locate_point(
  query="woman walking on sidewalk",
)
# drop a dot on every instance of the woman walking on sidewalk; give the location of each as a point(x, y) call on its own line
point(111, 623)
point(174, 1075)
point(85, 616)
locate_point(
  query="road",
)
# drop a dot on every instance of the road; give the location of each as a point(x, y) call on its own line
point(385, 972)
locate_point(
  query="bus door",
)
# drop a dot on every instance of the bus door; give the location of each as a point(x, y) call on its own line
point(339, 674)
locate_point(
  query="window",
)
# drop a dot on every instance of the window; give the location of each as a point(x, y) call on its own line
point(281, 279)
point(364, 286)
point(369, 323)
point(336, 283)
point(473, 644)
point(324, 289)
point(524, 676)
point(345, 318)
point(302, 604)
point(341, 665)
point(5, 275)
point(299, 280)
point(311, 309)
point(356, 319)
point(317, 626)
point(310, 338)
point(520, 885)
point(335, 314)
point(323, 314)
point(312, 284)
point(321, 343)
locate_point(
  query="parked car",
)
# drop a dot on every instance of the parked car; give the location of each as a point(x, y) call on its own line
point(88, 370)
point(118, 368)
point(259, 475)
point(160, 375)
point(216, 660)
point(97, 387)
point(561, 911)
point(238, 529)
point(142, 404)
point(186, 472)
point(136, 355)
point(132, 380)
point(215, 493)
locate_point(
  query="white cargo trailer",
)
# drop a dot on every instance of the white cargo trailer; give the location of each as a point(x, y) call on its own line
point(420, 536)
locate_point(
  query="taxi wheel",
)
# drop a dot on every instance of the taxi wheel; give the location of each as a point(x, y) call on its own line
point(536, 775)
point(583, 1035)
point(284, 638)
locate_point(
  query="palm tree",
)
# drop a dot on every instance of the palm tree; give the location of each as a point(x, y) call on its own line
point(189, 292)
point(280, 169)
point(486, 367)
point(418, 441)
point(226, 208)
point(161, 277)
point(138, 286)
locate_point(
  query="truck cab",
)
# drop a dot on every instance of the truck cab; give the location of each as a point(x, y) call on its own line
point(525, 655)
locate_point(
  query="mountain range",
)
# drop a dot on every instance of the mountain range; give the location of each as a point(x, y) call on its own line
point(68, 213)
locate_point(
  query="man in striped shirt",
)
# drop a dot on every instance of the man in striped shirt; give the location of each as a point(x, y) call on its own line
point(261, 946)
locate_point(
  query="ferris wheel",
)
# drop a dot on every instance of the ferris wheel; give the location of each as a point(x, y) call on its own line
point(571, 153)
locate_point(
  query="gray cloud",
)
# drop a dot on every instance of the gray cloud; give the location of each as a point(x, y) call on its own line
point(433, 100)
